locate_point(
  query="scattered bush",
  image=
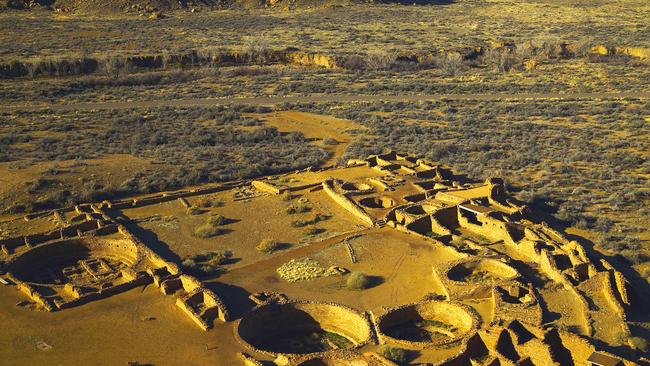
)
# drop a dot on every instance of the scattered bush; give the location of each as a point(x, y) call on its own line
point(503, 59)
point(315, 219)
point(207, 231)
point(268, 246)
point(189, 263)
point(256, 49)
point(639, 343)
point(354, 62)
point(314, 230)
point(286, 196)
point(206, 263)
point(298, 208)
point(449, 63)
point(216, 220)
point(194, 211)
point(207, 202)
point(358, 281)
point(392, 353)
point(380, 60)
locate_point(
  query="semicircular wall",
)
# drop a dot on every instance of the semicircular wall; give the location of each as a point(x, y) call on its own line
point(302, 328)
point(482, 270)
point(61, 253)
point(427, 324)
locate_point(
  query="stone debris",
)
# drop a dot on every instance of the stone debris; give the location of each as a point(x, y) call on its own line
point(43, 346)
point(305, 269)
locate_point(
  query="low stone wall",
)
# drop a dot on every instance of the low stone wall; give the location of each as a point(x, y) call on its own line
point(347, 203)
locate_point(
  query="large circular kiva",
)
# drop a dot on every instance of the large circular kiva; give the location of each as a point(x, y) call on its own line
point(83, 262)
point(302, 328)
point(481, 271)
point(429, 323)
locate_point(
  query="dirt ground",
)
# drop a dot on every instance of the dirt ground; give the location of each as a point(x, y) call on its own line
point(330, 133)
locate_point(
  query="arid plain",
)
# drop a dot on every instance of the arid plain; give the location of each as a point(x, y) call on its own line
point(324, 183)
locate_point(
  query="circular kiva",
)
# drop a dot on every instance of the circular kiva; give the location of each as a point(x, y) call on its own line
point(481, 271)
point(349, 186)
point(427, 324)
point(377, 202)
point(302, 328)
point(77, 261)
point(420, 209)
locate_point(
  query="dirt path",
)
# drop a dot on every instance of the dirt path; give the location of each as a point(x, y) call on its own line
point(316, 128)
point(320, 99)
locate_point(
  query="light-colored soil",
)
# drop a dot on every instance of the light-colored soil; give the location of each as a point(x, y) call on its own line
point(263, 217)
point(110, 332)
point(314, 127)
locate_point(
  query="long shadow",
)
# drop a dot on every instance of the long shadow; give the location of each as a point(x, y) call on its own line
point(640, 293)
point(148, 237)
point(235, 297)
point(547, 315)
point(151, 240)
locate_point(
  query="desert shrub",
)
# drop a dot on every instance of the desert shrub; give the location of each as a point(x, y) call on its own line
point(113, 67)
point(392, 353)
point(298, 208)
point(189, 263)
point(206, 202)
point(503, 59)
point(354, 62)
point(380, 60)
point(256, 49)
point(603, 224)
point(358, 281)
point(216, 220)
point(268, 246)
point(206, 263)
point(194, 211)
point(330, 141)
point(313, 220)
point(286, 196)
point(207, 230)
point(449, 63)
point(214, 258)
point(314, 230)
point(639, 343)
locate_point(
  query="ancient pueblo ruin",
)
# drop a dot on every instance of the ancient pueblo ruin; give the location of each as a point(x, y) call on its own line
point(455, 271)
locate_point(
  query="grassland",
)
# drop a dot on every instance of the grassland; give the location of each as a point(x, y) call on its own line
point(464, 23)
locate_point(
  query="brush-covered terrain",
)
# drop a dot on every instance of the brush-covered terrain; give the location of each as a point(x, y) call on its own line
point(125, 99)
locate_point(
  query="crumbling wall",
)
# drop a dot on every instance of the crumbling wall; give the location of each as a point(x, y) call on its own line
point(347, 203)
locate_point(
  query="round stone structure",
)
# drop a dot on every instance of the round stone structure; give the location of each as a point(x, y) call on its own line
point(356, 187)
point(427, 324)
point(57, 263)
point(481, 271)
point(377, 202)
point(302, 327)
